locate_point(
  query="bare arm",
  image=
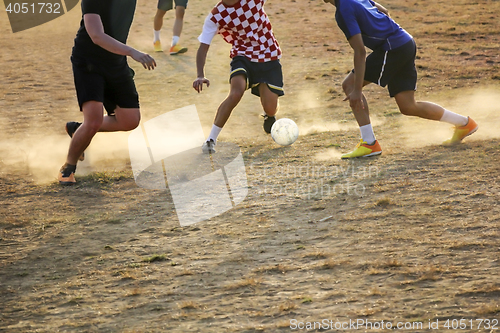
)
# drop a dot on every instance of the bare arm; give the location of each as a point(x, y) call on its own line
point(201, 57)
point(382, 8)
point(356, 96)
point(95, 29)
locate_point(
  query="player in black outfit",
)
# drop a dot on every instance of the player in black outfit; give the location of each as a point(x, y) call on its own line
point(103, 79)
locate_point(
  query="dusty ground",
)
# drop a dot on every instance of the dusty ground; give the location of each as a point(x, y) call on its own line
point(410, 237)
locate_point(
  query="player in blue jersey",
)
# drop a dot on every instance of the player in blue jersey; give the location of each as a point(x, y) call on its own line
point(366, 24)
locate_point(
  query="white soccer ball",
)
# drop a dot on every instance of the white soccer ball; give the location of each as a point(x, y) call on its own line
point(284, 131)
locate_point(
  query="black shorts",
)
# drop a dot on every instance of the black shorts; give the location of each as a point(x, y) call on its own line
point(394, 68)
point(167, 5)
point(256, 73)
point(111, 85)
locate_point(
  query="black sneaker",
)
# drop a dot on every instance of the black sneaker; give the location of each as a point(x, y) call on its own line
point(268, 123)
point(71, 127)
point(208, 147)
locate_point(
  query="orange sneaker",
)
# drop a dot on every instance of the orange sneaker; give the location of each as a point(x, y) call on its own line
point(462, 131)
point(363, 149)
point(176, 49)
point(67, 175)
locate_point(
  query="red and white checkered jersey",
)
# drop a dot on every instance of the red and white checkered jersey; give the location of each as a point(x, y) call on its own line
point(246, 27)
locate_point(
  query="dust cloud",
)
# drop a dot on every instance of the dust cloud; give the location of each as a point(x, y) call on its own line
point(42, 157)
point(328, 155)
point(333, 126)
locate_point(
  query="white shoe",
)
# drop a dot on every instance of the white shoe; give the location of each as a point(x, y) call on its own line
point(208, 147)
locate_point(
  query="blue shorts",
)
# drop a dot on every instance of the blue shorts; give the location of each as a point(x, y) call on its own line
point(166, 5)
point(111, 85)
point(394, 69)
point(256, 73)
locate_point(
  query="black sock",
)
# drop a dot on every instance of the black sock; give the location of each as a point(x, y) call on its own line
point(67, 169)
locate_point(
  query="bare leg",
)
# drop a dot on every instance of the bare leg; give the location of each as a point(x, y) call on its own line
point(268, 99)
point(179, 19)
point(238, 86)
point(158, 20)
point(94, 121)
point(362, 115)
point(409, 107)
point(123, 120)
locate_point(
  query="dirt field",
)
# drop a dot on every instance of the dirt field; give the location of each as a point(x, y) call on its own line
point(410, 237)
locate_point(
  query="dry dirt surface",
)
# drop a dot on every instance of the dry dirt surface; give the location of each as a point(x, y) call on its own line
point(410, 237)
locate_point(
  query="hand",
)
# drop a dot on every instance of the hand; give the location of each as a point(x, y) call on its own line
point(145, 59)
point(198, 83)
point(355, 99)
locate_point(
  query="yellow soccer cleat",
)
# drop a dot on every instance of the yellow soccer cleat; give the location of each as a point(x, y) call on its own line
point(363, 149)
point(157, 46)
point(176, 49)
point(461, 132)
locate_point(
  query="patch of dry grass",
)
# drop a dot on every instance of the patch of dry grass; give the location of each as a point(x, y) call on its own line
point(278, 268)
point(487, 309)
point(287, 306)
point(188, 305)
point(251, 282)
point(317, 255)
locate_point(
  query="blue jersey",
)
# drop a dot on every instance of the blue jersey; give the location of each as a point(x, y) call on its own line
point(377, 29)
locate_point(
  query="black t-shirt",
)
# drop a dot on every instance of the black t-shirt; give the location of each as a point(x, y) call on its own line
point(116, 17)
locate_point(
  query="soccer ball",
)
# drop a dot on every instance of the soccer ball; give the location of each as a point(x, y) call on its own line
point(284, 131)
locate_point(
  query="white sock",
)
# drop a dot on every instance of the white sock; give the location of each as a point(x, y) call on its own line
point(367, 134)
point(157, 36)
point(214, 133)
point(454, 118)
point(175, 40)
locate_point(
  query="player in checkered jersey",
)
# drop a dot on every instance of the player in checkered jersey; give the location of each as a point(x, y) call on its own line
point(255, 64)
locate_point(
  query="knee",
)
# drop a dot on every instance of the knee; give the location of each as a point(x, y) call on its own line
point(179, 12)
point(346, 87)
point(407, 110)
point(132, 122)
point(91, 127)
point(235, 95)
